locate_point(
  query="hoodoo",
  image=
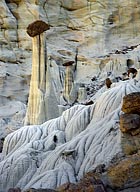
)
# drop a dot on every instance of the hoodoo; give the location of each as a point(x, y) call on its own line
point(38, 108)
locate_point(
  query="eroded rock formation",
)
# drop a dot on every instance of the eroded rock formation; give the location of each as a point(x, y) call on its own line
point(39, 103)
point(101, 37)
point(130, 124)
point(87, 136)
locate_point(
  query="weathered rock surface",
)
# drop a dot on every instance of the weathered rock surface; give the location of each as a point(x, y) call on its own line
point(125, 175)
point(130, 123)
point(131, 103)
point(12, 117)
point(64, 149)
point(89, 183)
point(130, 144)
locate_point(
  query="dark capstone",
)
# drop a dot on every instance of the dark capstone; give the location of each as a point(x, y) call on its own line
point(90, 102)
point(108, 82)
point(133, 71)
point(36, 28)
point(68, 63)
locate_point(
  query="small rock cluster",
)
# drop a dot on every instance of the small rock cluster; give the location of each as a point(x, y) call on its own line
point(90, 183)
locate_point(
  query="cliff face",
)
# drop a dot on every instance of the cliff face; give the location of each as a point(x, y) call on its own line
point(94, 30)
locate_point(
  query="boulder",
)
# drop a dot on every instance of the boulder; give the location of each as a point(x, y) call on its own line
point(37, 27)
point(130, 123)
point(132, 71)
point(69, 63)
point(125, 174)
point(131, 103)
point(108, 82)
point(130, 144)
point(89, 183)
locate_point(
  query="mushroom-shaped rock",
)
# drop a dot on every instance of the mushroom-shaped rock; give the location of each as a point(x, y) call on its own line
point(131, 103)
point(130, 123)
point(68, 63)
point(37, 27)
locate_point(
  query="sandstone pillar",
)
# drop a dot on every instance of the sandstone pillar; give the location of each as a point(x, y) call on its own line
point(82, 94)
point(69, 86)
point(37, 111)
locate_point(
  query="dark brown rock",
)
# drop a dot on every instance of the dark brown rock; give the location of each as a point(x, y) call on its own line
point(36, 28)
point(108, 82)
point(90, 102)
point(130, 143)
point(131, 103)
point(132, 71)
point(68, 187)
point(130, 123)
point(89, 183)
point(99, 188)
point(68, 63)
point(125, 174)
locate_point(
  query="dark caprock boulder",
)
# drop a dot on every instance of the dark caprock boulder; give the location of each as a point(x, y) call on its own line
point(108, 82)
point(68, 63)
point(132, 71)
point(37, 27)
